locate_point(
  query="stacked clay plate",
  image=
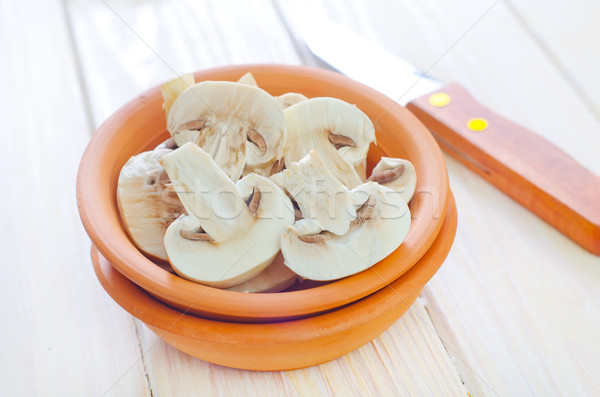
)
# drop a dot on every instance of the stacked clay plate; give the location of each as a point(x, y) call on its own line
point(309, 322)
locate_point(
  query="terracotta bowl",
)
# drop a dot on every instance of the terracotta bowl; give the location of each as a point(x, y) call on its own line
point(280, 345)
point(140, 125)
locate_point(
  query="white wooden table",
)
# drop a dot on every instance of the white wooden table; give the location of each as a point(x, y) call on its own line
point(515, 309)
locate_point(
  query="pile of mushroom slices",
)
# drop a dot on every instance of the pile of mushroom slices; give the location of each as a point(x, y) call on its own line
point(253, 192)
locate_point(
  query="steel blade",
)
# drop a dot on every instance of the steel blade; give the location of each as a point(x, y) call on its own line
point(365, 61)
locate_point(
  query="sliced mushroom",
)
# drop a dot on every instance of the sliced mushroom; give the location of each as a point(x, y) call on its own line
point(167, 144)
point(248, 79)
point(146, 204)
point(320, 196)
point(382, 223)
point(276, 277)
point(397, 174)
point(239, 244)
point(237, 124)
point(171, 90)
point(339, 131)
point(361, 170)
point(290, 98)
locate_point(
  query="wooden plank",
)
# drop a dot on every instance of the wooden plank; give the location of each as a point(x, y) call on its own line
point(61, 334)
point(392, 364)
point(407, 360)
point(516, 302)
point(128, 47)
point(559, 31)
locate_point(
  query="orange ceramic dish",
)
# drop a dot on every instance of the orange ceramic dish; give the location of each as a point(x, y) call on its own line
point(281, 345)
point(140, 125)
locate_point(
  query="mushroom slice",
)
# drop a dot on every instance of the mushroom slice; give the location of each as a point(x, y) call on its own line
point(319, 195)
point(276, 277)
point(285, 101)
point(146, 204)
point(361, 170)
point(171, 90)
point(167, 144)
point(237, 124)
point(339, 131)
point(231, 231)
point(382, 223)
point(248, 79)
point(397, 174)
point(290, 98)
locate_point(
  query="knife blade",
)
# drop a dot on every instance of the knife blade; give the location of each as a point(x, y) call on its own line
point(530, 169)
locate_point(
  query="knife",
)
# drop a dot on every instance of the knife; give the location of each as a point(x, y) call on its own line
point(524, 165)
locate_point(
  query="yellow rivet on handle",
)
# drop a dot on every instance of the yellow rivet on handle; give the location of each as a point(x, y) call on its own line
point(477, 124)
point(439, 99)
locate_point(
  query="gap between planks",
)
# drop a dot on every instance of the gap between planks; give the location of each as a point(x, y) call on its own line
point(85, 93)
point(87, 107)
point(554, 60)
point(138, 337)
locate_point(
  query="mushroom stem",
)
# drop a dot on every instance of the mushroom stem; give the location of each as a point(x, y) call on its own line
point(297, 211)
point(387, 175)
point(254, 200)
point(212, 200)
point(366, 210)
point(277, 166)
point(170, 197)
point(257, 139)
point(340, 141)
point(317, 237)
point(194, 125)
point(199, 235)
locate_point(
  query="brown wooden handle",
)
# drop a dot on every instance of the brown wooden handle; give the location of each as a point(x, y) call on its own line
point(527, 167)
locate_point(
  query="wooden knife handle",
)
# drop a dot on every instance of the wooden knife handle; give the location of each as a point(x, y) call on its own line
point(527, 167)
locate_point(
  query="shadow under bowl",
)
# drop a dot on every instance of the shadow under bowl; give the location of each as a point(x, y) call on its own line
point(281, 345)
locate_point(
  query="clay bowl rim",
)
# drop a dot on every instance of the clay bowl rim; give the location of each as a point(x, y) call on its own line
point(281, 345)
point(115, 141)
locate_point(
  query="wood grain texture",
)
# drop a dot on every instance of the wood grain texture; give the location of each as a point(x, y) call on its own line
point(407, 360)
point(516, 305)
point(521, 163)
point(127, 47)
point(60, 334)
point(567, 36)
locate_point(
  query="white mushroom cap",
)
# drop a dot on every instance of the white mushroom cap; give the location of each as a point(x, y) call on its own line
point(339, 131)
point(397, 174)
point(206, 192)
point(248, 79)
point(145, 204)
point(369, 240)
point(276, 277)
point(237, 124)
point(290, 98)
point(171, 90)
point(222, 242)
point(320, 196)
